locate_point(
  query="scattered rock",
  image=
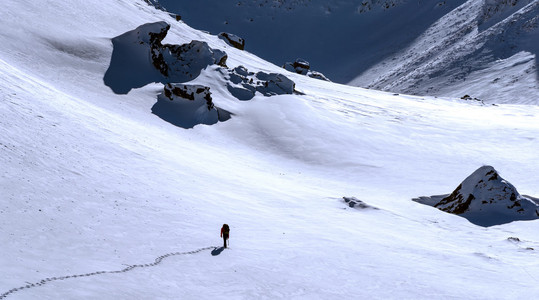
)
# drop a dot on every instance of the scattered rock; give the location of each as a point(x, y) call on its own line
point(356, 203)
point(368, 5)
point(469, 98)
point(244, 84)
point(303, 67)
point(233, 40)
point(176, 16)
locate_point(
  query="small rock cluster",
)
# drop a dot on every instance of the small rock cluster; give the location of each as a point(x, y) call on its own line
point(243, 84)
point(303, 67)
point(368, 5)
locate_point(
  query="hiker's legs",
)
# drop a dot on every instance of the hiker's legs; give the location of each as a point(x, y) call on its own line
point(225, 237)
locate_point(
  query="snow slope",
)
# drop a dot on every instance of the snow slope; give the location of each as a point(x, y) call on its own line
point(487, 49)
point(92, 181)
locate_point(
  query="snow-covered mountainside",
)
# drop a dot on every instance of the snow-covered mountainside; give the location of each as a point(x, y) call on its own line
point(486, 49)
point(342, 39)
point(108, 190)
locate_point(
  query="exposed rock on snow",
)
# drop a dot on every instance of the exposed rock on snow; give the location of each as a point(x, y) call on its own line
point(130, 67)
point(356, 203)
point(243, 84)
point(233, 40)
point(184, 62)
point(470, 98)
point(486, 199)
point(188, 105)
point(303, 67)
point(140, 58)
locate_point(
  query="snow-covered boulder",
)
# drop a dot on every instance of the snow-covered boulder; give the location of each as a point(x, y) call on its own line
point(486, 199)
point(185, 62)
point(139, 58)
point(303, 67)
point(269, 84)
point(243, 84)
point(233, 40)
point(188, 105)
point(130, 66)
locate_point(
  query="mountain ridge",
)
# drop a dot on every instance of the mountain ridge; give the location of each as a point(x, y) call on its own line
point(439, 48)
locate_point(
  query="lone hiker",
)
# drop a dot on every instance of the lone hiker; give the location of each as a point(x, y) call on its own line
point(225, 232)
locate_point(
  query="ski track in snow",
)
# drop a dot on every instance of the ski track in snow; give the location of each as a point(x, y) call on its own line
point(156, 262)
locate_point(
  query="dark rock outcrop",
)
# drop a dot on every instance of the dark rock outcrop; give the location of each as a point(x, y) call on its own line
point(130, 68)
point(185, 62)
point(303, 67)
point(244, 84)
point(188, 105)
point(486, 199)
point(233, 40)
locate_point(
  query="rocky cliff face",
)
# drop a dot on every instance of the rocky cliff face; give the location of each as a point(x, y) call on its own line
point(486, 199)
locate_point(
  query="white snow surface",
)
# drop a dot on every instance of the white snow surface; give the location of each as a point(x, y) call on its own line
point(92, 181)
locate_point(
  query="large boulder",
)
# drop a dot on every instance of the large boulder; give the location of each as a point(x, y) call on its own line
point(130, 67)
point(185, 62)
point(188, 105)
point(486, 199)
